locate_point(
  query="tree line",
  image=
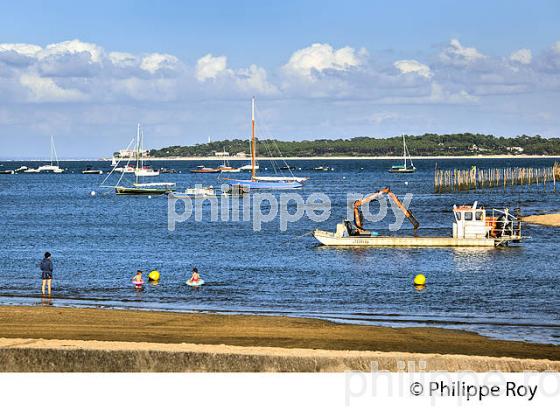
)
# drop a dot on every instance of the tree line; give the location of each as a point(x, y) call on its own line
point(418, 145)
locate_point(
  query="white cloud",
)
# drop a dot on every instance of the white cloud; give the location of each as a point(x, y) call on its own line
point(556, 47)
point(456, 54)
point(381, 117)
point(413, 66)
point(123, 59)
point(46, 90)
point(72, 47)
point(208, 67)
point(155, 62)
point(522, 56)
point(28, 50)
point(319, 57)
point(254, 79)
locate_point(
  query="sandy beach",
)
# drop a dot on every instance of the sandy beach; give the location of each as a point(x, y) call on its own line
point(546, 220)
point(212, 342)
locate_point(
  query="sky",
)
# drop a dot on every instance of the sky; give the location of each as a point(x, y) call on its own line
point(88, 72)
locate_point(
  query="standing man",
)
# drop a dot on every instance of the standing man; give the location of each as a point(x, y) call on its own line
point(46, 267)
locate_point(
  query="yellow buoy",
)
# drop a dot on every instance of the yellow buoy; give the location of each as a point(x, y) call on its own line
point(420, 280)
point(154, 276)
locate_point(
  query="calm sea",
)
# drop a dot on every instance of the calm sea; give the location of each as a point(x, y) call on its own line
point(99, 241)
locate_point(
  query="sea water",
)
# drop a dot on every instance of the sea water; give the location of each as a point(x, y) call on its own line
point(98, 242)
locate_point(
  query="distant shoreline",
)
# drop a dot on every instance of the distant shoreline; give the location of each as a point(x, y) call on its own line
point(347, 158)
point(343, 158)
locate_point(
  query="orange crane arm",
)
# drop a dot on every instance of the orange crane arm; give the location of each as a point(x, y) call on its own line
point(405, 211)
point(359, 203)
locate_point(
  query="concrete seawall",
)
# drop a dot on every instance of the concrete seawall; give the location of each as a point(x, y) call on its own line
point(38, 355)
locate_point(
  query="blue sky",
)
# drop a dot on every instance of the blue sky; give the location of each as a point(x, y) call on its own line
point(87, 73)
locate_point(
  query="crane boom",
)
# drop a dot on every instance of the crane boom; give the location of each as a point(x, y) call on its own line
point(358, 217)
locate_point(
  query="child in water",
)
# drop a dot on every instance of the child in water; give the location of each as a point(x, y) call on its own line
point(137, 280)
point(195, 277)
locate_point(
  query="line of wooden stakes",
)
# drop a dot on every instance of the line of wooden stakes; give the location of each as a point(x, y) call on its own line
point(449, 180)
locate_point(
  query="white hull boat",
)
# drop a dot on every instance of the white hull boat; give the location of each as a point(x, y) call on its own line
point(146, 172)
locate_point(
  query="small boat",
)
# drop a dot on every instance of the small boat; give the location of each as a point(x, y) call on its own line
point(89, 170)
point(280, 185)
point(146, 172)
point(205, 170)
point(282, 178)
point(167, 171)
point(288, 168)
point(50, 169)
point(155, 184)
point(31, 171)
point(405, 168)
point(248, 167)
point(21, 169)
point(228, 169)
point(225, 167)
point(122, 190)
point(323, 168)
point(125, 170)
point(7, 172)
point(199, 192)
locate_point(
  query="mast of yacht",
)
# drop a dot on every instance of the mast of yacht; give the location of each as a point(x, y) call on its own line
point(404, 150)
point(407, 153)
point(53, 153)
point(136, 173)
point(253, 143)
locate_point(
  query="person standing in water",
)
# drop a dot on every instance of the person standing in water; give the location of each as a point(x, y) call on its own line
point(46, 267)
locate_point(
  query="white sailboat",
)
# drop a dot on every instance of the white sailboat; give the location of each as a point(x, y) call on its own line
point(50, 168)
point(257, 182)
point(138, 187)
point(405, 168)
point(141, 169)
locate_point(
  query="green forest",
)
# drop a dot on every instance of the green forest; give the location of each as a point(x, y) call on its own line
point(418, 145)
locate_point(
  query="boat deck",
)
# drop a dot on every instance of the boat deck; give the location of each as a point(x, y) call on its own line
point(330, 239)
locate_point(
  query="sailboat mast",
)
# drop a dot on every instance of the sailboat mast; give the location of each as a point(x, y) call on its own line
point(137, 152)
point(253, 143)
point(52, 155)
point(404, 150)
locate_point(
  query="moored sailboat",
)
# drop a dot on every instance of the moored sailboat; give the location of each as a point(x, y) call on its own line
point(405, 168)
point(264, 182)
point(51, 168)
point(139, 188)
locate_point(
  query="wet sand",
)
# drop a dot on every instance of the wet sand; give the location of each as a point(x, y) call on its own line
point(547, 220)
point(251, 331)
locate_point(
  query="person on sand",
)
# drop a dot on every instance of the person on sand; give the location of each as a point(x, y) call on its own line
point(46, 267)
point(195, 277)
